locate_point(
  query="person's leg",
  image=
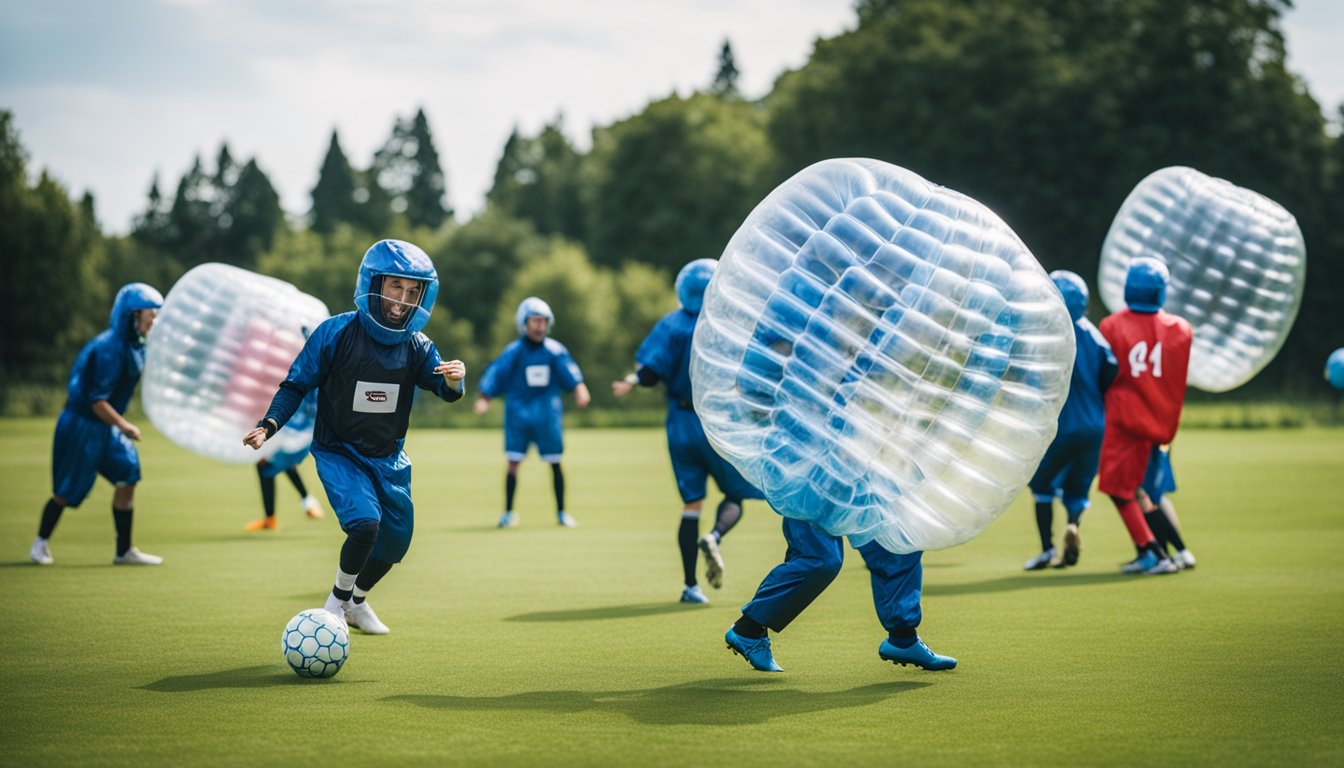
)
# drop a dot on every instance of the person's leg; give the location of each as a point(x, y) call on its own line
point(516, 442)
point(550, 438)
point(688, 532)
point(1124, 461)
point(898, 582)
point(350, 486)
point(266, 479)
point(1043, 485)
point(121, 466)
point(1077, 485)
point(76, 447)
point(811, 563)
point(393, 486)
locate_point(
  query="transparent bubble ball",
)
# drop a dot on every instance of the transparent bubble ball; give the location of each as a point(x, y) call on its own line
point(881, 356)
point(1238, 266)
point(220, 346)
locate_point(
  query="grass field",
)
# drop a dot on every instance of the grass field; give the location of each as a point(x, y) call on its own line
point(548, 646)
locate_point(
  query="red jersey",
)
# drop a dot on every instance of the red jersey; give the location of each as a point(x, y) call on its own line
point(1154, 354)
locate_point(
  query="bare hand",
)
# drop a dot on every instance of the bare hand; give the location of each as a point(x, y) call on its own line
point(130, 430)
point(581, 396)
point(621, 388)
point(481, 405)
point(255, 438)
point(453, 370)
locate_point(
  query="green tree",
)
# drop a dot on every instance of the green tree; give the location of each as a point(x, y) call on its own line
point(252, 217)
point(408, 168)
point(674, 182)
point(51, 299)
point(334, 196)
point(725, 79)
point(477, 262)
point(537, 179)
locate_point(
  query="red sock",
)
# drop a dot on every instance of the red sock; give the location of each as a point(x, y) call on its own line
point(1132, 514)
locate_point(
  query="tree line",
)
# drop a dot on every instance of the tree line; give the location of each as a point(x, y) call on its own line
point(1048, 111)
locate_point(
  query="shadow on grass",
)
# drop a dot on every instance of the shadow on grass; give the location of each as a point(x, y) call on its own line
point(610, 612)
point(728, 701)
point(1038, 580)
point(246, 677)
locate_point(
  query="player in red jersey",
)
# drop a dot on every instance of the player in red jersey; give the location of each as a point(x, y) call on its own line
point(1143, 405)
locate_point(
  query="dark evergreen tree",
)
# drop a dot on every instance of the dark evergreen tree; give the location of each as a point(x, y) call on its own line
point(537, 179)
point(334, 196)
point(725, 79)
point(407, 168)
point(254, 217)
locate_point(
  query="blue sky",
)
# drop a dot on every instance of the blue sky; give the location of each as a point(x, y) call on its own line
point(106, 94)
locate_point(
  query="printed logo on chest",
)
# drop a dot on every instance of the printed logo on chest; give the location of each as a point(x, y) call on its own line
point(375, 397)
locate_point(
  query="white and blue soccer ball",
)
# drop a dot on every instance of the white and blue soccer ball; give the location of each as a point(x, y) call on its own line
point(316, 643)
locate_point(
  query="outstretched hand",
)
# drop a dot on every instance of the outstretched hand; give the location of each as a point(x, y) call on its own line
point(452, 371)
point(255, 438)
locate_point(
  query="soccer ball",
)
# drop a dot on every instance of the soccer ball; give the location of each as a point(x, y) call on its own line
point(316, 643)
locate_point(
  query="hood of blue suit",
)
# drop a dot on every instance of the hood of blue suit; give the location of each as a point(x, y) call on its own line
point(691, 283)
point(532, 307)
point(394, 258)
point(1074, 290)
point(130, 299)
point(1146, 285)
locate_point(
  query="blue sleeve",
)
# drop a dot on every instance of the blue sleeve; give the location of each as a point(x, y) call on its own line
point(426, 378)
point(566, 369)
point(309, 370)
point(493, 380)
point(656, 351)
point(109, 362)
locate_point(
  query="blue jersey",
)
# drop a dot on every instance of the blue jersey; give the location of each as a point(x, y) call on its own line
point(107, 368)
point(531, 376)
point(667, 352)
point(1094, 368)
point(365, 389)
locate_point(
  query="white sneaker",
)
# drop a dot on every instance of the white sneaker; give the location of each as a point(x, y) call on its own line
point(310, 507)
point(1185, 557)
point(1165, 565)
point(134, 556)
point(508, 520)
point(362, 617)
point(713, 560)
point(1040, 561)
point(39, 553)
point(566, 520)
point(336, 606)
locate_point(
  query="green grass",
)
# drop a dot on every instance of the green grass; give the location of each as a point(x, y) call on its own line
point(546, 646)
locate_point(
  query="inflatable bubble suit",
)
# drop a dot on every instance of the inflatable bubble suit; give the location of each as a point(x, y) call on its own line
point(222, 343)
point(1238, 265)
point(881, 356)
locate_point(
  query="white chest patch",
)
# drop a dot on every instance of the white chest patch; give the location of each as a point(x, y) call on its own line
point(375, 397)
point(538, 375)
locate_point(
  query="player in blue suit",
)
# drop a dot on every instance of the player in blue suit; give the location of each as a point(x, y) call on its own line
point(366, 366)
point(93, 436)
point(1070, 463)
point(665, 355)
point(530, 374)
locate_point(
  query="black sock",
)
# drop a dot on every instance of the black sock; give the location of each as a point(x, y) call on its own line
point(903, 638)
point(1045, 515)
point(373, 572)
point(359, 540)
point(1161, 528)
point(687, 536)
point(51, 515)
point(558, 478)
point(510, 486)
point(1172, 533)
point(725, 517)
point(268, 496)
point(293, 474)
point(746, 627)
point(121, 518)
point(342, 594)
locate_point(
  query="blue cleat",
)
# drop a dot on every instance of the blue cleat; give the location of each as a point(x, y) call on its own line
point(693, 594)
point(756, 652)
point(1141, 564)
point(564, 518)
point(918, 654)
point(508, 520)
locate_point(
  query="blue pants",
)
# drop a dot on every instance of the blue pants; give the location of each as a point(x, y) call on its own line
point(364, 488)
point(694, 461)
point(812, 562)
point(1069, 464)
point(544, 429)
point(84, 448)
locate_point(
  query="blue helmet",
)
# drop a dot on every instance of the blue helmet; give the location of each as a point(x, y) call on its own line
point(1334, 368)
point(394, 258)
point(1146, 285)
point(691, 283)
point(132, 298)
point(1073, 289)
point(532, 307)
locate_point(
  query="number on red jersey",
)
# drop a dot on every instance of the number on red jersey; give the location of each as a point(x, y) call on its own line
point(1140, 360)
